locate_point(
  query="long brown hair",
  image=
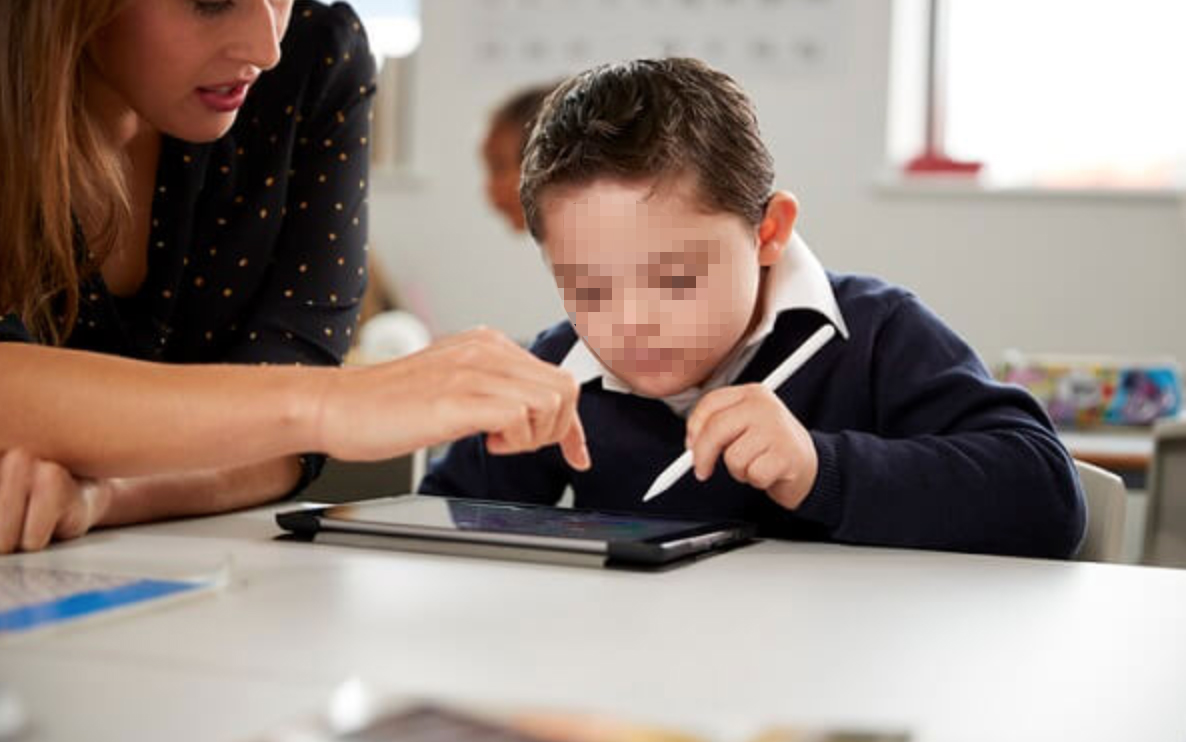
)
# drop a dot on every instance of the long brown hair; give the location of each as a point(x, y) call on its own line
point(58, 169)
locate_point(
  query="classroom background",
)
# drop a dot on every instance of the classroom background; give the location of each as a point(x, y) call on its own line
point(1018, 165)
point(1070, 241)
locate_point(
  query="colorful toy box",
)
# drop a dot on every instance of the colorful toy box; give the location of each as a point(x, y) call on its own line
point(1083, 392)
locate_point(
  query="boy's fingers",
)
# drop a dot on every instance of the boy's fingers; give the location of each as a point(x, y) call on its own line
point(743, 452)
point(710, 405)
point(717, 433)
point(765, 470)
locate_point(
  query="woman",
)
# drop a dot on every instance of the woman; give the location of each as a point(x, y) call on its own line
point(183, 202)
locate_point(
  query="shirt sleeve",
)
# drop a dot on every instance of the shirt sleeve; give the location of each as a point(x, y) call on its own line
point(990, 477)
point(310, 303)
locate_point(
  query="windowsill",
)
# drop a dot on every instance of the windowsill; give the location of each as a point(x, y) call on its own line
point(896, 185)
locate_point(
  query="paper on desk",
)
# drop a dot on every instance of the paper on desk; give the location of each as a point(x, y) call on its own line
point(40, 596)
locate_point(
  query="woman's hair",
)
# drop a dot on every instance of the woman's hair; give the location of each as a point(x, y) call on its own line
point(59, 173)
point(650, 118)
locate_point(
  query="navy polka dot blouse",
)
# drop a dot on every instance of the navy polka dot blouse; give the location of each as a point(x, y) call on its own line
point(257, 251)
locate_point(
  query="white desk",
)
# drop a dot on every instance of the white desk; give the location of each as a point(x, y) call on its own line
point(1123, 450)
point(953, 647)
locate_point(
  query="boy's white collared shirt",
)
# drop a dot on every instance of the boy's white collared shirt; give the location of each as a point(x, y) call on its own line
point(797, 281)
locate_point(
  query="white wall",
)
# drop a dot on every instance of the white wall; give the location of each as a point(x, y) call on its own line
point(1039, 272)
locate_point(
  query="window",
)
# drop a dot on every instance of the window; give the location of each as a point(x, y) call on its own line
point(1058, 93)
point(393, 26)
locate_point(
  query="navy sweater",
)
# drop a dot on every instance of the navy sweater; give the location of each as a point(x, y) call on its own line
point(918, 446)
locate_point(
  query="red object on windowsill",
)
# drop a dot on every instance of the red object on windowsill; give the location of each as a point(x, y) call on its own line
point(933, 160)
point(937, 163)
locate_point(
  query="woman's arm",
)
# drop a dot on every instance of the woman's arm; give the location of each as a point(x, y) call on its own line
point(42, 501)
point(163, 441)
point(103, 417)
point(161, 496)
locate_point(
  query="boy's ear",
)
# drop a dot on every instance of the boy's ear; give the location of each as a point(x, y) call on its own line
point(777, 227)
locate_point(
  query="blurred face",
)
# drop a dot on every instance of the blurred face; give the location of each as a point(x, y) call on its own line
point(185, 67)
point(659, 289)
point(500, 153)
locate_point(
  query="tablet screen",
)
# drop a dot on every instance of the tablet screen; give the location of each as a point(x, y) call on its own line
point(494, 517)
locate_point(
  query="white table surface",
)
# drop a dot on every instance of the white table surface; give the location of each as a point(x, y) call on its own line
point(1136, 442)
point(952, 647)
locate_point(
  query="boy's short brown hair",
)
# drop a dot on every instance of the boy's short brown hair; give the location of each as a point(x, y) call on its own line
point(650, 118)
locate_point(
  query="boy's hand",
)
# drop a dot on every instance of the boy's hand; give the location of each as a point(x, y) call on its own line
point(761, 442)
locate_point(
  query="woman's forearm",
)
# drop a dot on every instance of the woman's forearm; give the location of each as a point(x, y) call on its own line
point(156, 497)
point(102, 416)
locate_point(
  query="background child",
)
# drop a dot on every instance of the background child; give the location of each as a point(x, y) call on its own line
point(650, 192)
point(502, 151)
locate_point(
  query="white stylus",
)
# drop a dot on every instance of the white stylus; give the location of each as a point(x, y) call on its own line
point(777, 377)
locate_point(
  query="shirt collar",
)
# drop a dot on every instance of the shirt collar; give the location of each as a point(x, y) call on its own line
point(796, 281)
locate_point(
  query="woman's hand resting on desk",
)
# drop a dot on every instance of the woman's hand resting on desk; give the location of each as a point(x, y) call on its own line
point(40, 500)
point(475, 382)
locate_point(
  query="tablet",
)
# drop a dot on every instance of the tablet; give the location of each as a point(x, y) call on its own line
point(444, 525)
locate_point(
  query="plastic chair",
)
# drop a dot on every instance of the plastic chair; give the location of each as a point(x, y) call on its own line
point(1106, 502)
point(1165, 519)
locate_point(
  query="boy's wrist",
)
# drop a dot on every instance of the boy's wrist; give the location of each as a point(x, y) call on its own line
point(801, 460)
point(790, 492)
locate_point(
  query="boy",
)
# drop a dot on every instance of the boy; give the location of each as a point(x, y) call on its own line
point(650, 192)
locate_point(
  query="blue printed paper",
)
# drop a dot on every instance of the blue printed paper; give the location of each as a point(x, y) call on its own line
point(34, 597)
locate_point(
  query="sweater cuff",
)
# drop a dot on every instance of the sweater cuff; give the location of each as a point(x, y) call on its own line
point(825, 502)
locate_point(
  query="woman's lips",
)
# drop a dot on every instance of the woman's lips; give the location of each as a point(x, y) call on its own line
point(224, 98)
